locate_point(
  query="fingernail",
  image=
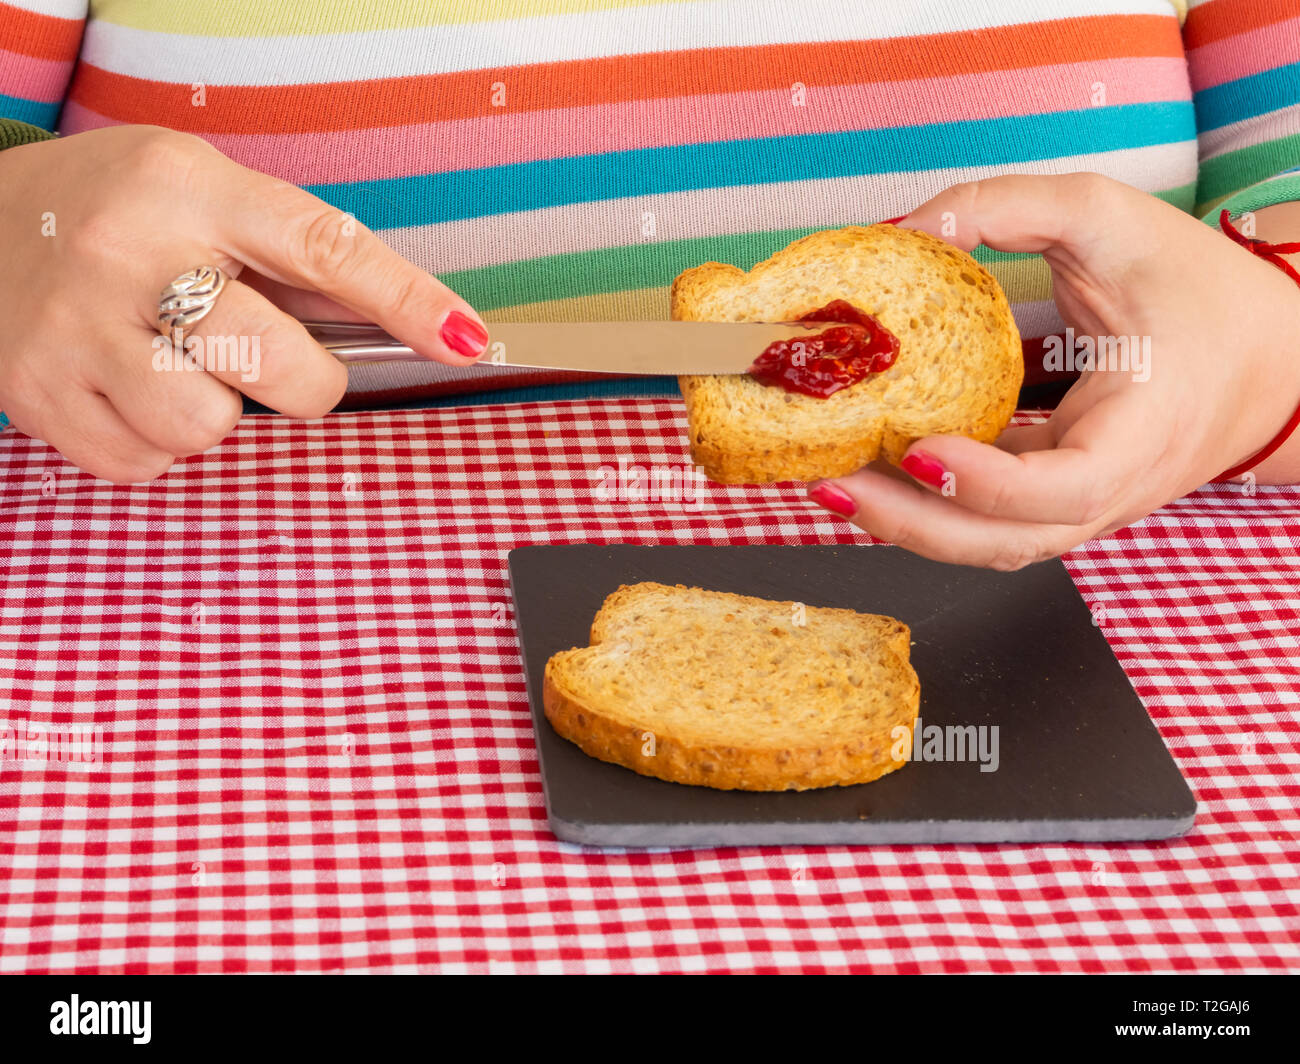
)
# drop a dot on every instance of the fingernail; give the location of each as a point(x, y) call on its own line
point(834, 498)
point(464, 335)
point(924, 467)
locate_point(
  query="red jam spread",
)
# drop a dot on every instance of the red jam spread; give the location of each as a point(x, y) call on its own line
point(825, 362)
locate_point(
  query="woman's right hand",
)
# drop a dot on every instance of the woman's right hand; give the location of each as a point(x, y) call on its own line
point(98, 223)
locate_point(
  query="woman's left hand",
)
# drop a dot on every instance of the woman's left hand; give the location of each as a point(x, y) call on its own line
point(1224, 377)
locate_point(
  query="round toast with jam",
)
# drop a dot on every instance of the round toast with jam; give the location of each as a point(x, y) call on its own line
point(957, 370)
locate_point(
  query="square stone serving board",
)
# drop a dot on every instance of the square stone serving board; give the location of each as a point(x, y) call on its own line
point(1079, 758)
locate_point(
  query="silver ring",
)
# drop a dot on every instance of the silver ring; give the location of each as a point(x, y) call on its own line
point(188, 299)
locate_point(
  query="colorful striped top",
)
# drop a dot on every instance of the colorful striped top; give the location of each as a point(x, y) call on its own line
point(565, 159)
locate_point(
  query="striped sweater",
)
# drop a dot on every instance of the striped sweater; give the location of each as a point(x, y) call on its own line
point(565, 159)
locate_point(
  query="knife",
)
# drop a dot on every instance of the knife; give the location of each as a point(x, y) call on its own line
point(632, 347)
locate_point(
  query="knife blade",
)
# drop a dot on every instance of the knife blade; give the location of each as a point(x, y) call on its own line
point(643, 348)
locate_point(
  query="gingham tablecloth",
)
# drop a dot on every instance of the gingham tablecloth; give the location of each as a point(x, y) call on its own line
point(315, 749)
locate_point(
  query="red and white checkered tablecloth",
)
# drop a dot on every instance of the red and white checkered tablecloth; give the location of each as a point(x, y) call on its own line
point(316, 750)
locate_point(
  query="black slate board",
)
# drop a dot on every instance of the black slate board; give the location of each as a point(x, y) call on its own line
point(1079, 758)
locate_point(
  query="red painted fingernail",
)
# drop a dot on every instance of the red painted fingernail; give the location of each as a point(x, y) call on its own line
point(464, 335)
point(925, 467)
point(834, 498)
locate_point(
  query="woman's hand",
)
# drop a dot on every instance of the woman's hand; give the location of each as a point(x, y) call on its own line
point(1224, 377)
point(97, 224)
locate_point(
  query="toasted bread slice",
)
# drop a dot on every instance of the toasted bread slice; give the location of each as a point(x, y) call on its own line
point(725, 691)
point(959, 366)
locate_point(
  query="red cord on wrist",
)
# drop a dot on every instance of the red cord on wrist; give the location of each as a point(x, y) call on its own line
point(1269, 253)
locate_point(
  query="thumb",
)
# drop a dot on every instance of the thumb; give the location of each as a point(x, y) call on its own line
point(1018, 212)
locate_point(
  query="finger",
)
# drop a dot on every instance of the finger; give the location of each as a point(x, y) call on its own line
point(1081, 480)
point(85, 428)
point(297, 302)
point(253, 346)
point(1085, 393)
point(931, 526)
point(1021, 438)
point(167, 400)
point(292, 237)
point(1014, 212)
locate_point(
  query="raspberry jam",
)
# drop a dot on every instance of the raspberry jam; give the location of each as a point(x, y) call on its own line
point(831, 360)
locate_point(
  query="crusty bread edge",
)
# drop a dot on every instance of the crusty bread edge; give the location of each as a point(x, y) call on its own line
point(830, 458)
point(721, 768)
point(726, 767)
